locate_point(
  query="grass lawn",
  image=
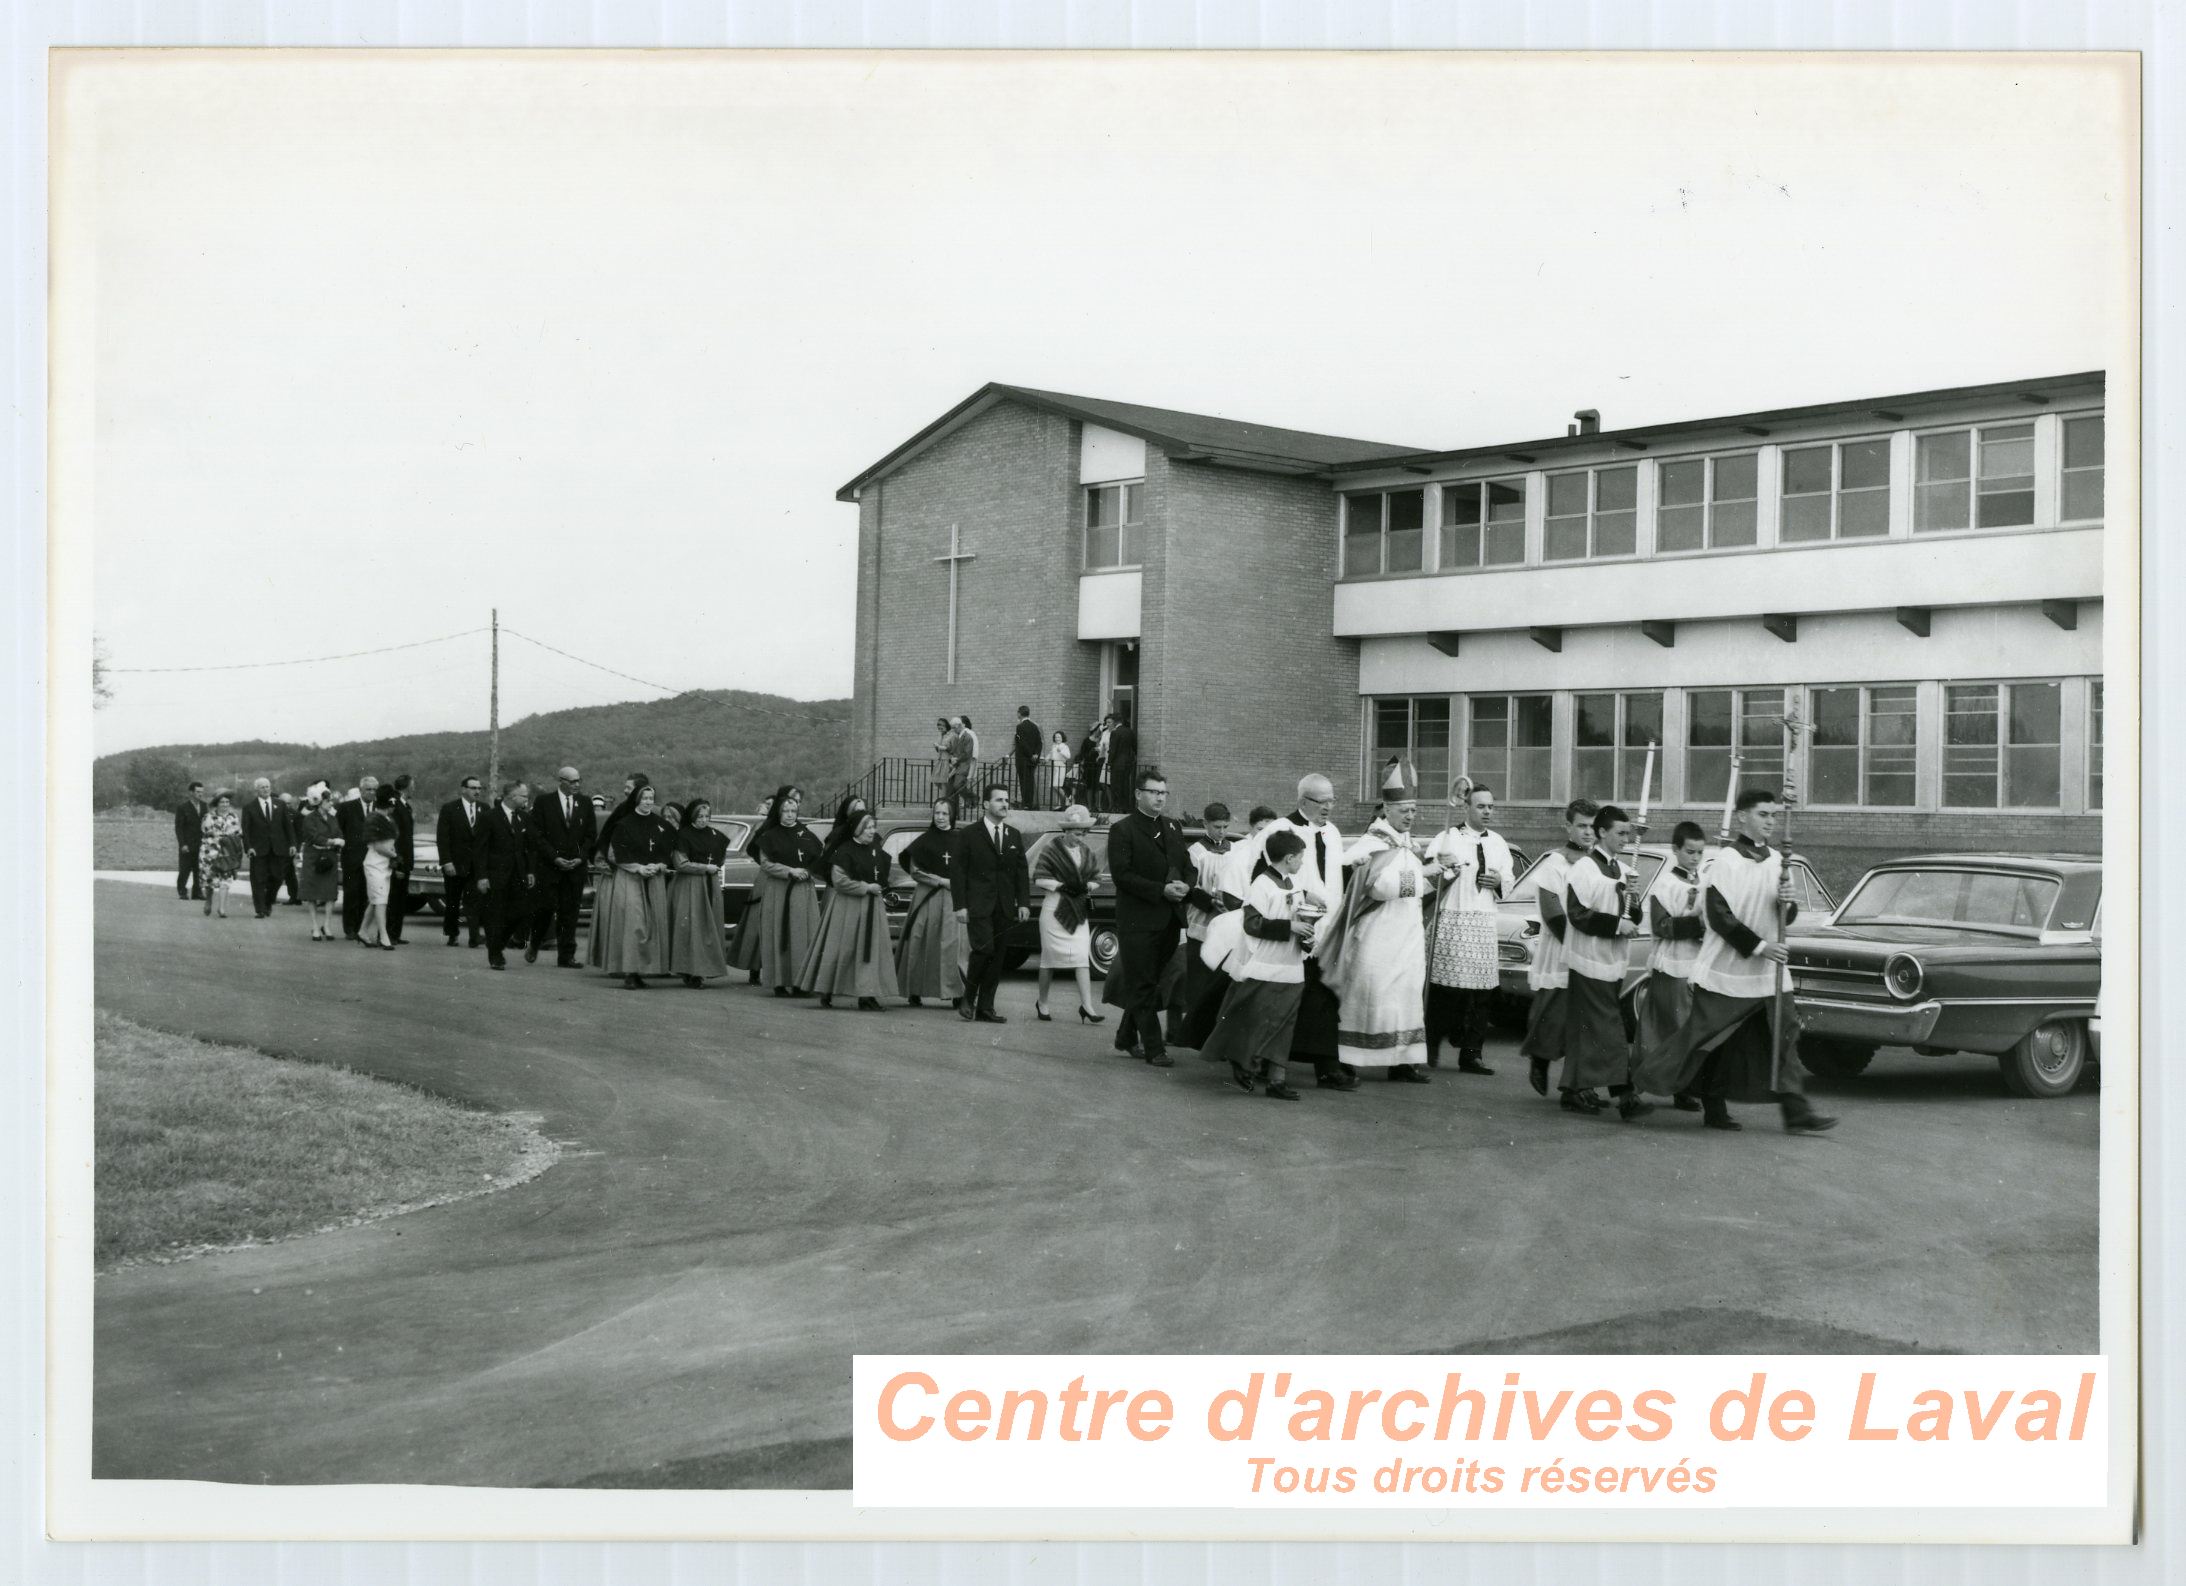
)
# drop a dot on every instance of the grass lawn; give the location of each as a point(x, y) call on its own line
point(202, 1146)
point(133, 844)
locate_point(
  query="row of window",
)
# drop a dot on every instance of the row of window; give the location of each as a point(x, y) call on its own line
point(1981, 477)
point(2002, 748)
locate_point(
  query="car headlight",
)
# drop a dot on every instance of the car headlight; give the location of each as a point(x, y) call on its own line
point(1903, 976)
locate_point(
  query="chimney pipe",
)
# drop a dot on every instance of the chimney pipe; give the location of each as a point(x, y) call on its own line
point(1590, 421)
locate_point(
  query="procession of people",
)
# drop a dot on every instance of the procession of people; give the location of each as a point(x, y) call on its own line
point(1282, 950)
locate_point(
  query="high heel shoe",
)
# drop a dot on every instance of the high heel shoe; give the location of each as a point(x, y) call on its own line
point(1088, 1016)
point(1041, 1014)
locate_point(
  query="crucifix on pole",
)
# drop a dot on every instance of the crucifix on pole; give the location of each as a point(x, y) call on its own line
point(956, 557)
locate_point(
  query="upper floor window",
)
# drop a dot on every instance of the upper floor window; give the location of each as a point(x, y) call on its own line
point(1112, 524)
point(1508, 744)
point(1592, 512)
point(1384, 531)
point(1484, 523)
point(1979, 478)
point(1838, 491)
point(2002, 743)
point(1417, 730)
point(1719, 719)
point(2081, 499)
point(1865, 745)
point(1706, 502)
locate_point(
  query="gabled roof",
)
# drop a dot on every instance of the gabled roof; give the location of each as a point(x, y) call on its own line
point(1193, 437)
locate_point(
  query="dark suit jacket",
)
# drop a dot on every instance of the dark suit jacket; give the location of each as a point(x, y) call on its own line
point(1123, 756)
point(352, 814)
point(499, 855)
point(405, 834)
point(189, 824)
point(1028, 739)
point(264, 836)
point(552, 838)
point(455, 836)
point(291, 824)
point(1144, 855)
point(985, 883)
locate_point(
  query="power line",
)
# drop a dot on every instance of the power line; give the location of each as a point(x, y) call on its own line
point(308, 660)
point(581, 661)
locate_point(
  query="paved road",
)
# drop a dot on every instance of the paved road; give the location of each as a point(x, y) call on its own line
point(755, 1189)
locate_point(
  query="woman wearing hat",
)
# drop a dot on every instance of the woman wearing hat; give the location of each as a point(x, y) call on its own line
point(320, 868)
point(220, 851)
point(1066, 874)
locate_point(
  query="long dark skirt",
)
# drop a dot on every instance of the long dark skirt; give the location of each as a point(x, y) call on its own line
point(1314, 1037)
point(1597, 1048)
point(1665, 1000)
point(1545, 1025)
point(1723, 1049)
point(694, 927)
point(1257, 1023)
point(777, 929)
point(930, 959)
point(634, 937)
point(851, 956)
point(1204, 1009)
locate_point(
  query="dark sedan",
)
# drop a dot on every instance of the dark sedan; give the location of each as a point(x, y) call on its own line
point(1990, 953)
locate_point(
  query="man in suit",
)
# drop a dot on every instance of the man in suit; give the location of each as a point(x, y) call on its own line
point(265, 840)
point(292, 844)
point(503, 860)
point(1152, 868)
point(1123, 763)
point(1025, 750)
point(563, 832)
point(992, 890)
point(352, 814)
point(189, 837)
point(1092, 773)
point(398, 883)
point(456, 832)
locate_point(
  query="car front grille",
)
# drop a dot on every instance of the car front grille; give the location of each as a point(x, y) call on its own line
point(1825, 977)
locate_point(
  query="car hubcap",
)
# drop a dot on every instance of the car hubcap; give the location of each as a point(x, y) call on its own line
point(2056, 1050)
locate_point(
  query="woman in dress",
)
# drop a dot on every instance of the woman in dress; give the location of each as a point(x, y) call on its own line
point(782, 919)
point(320, 868)
point(944, 742)
point(379, 869)
point(696, 852)
point(1062, 770)
point(220, 851)
point(1066, 873)
point(604, 895)
point(850, 955)
point(931, 958)
point(633, 941)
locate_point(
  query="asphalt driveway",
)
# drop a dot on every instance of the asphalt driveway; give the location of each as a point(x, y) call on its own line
point(754, 1189)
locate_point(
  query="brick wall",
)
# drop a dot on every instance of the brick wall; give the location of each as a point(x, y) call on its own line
point(1254, 691)
point(1007, 480)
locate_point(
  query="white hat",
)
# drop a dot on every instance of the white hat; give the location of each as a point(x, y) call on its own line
point(1400, 783)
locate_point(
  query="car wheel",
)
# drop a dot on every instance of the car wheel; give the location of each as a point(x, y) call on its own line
point(2048, 1061)
point(1104, 950)
point(1828, 1059)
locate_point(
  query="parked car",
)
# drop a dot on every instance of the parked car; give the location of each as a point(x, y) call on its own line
point(1518, 930)
point(429, 888)
point(1991, 953)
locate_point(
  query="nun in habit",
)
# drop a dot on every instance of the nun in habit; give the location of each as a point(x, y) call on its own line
point(633, 943)
point(931, 960)
point(850, 956)
point(696, 854)
point(603, 874)
point(783, 918)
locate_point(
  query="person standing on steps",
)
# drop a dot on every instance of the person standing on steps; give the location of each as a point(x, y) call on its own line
point(992, 890)
point(1025, 751)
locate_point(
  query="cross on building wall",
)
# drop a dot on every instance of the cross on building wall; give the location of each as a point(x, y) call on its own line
point(956, 557)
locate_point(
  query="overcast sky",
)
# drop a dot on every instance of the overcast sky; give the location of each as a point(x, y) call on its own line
point(382, 343)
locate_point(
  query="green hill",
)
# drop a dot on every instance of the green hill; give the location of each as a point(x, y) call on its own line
point(727, 745)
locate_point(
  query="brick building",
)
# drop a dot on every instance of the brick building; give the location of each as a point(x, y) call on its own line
point(1919, 575)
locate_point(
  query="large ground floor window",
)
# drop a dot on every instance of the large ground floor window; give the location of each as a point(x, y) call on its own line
point(1961, 744)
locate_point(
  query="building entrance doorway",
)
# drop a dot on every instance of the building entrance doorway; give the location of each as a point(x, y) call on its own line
point(1120, 679)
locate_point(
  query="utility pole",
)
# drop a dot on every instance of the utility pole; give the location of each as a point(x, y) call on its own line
point(493, 715)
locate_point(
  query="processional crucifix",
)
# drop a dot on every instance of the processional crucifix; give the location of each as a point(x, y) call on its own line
point(956, 556)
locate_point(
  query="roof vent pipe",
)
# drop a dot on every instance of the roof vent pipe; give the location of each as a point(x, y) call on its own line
point(1590, 421)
